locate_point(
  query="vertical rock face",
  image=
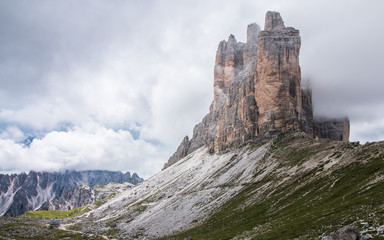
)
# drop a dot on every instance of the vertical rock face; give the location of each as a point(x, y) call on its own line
point(234, 109)
point(257, 92)
point(232, 119)
point(278, 91)
point(306, 120)
point(181, 152)
point(335, 129)
point(273, 21)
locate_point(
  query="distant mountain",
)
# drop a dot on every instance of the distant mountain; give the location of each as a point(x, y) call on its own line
point(84, 195)
point(23, 192)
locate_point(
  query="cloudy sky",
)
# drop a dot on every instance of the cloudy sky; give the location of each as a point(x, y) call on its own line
point(96, 84)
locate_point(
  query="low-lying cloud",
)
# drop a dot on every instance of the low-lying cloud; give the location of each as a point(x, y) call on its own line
point(90, 146)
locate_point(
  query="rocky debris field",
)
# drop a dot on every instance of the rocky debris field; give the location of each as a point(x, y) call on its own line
point(36, 228)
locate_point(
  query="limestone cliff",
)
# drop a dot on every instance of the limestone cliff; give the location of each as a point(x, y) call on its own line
point(336, 128)
point(278, 79)
point(181, 152)
point(258, 93)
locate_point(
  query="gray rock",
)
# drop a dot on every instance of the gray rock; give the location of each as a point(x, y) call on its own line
point(366, 237)
point(345, 233)
point(335, 128)
point(32, 191)
point(273, 21)
point(181, 152)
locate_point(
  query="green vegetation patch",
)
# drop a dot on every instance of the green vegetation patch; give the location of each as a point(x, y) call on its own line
point(51, 214)
point(306, 205)
point(100, 202)
point(25, 228)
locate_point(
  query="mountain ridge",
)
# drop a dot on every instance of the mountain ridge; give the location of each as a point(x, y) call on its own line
point(84, 195)
point(23, 192)
point(288, 187)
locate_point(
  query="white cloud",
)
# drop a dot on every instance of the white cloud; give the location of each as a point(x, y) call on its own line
point(368, 130)
point(12, 133)
point(88, 147)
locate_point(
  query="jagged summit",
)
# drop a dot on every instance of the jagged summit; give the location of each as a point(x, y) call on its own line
point(252, 30)
point(23, 192)
point(273, 21)
point(258, 93)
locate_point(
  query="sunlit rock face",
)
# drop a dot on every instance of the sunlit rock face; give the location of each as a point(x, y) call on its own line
point(234, 106)
point(257, 93)
point(278, 78)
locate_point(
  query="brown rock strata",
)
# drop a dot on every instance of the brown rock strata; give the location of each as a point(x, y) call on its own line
point(278, 77)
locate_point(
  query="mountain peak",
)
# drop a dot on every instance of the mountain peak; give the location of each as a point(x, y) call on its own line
point(252, 30)
point(258, 93)
point(273, 21)
point(20, 193)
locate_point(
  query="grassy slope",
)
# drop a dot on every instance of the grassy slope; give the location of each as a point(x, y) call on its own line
point(32, 228)
point(307, 203)
point(51, 214)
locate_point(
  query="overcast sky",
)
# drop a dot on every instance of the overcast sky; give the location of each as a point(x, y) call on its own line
point(97, 84)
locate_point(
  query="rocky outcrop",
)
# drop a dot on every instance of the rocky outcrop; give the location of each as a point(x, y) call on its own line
point(181, 152)
point(234, 110)
point(306, 121)
point(345, 233)
point(278, 80)
point(23, 192)
point(78, 197)
point(257, 92)
point(334, 128)
point(232, 119)
point(84, 195)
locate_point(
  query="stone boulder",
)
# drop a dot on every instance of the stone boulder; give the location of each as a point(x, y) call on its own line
point(345, 233)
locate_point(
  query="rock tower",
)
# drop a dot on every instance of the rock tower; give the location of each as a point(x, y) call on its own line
point(258, 94)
